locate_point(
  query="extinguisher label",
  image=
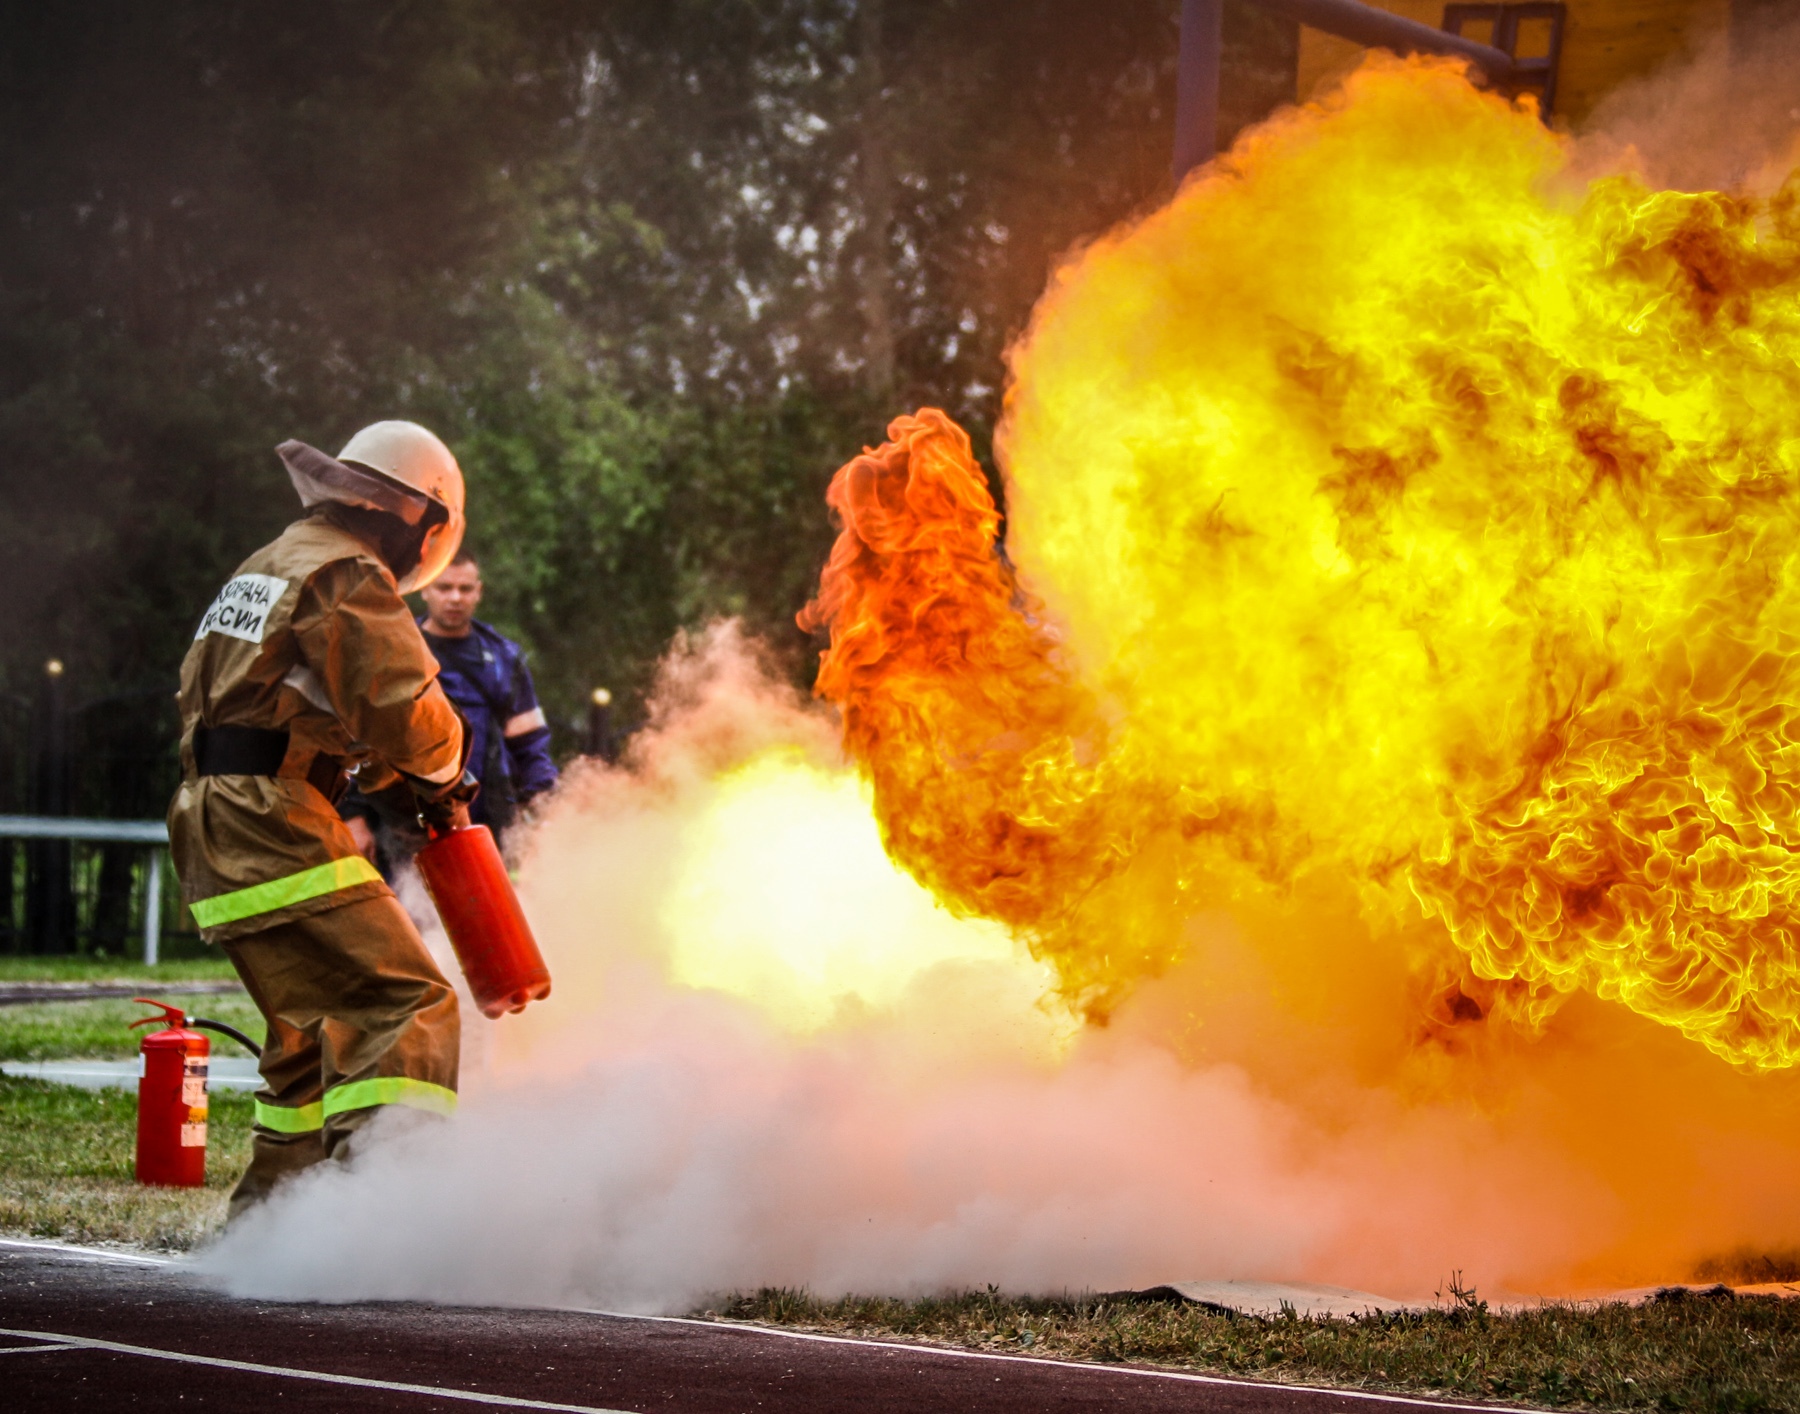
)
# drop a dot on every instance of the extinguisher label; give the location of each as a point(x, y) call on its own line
point(193, 1136)
point(193, 1083)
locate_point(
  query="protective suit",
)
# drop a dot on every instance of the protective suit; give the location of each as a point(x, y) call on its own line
point(307, 667)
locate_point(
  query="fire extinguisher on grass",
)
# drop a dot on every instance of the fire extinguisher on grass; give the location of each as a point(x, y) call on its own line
point(172, 1065)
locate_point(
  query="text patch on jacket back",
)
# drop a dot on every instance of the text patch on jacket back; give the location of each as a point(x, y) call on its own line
point(242, 608)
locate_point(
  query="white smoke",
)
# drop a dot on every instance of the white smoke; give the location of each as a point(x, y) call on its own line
point(640, 1144)
point(1721, 118)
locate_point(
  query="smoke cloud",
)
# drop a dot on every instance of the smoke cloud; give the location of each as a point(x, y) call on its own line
point(639, 1143)
point(1723, 118)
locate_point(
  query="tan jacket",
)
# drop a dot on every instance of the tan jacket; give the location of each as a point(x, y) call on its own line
point(312, 637)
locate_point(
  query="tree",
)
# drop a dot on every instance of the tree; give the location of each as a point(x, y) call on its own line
point(653, 267)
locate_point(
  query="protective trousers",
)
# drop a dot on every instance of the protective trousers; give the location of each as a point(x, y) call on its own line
point(359, 1017)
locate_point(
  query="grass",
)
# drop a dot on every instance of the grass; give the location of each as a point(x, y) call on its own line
point(66, 1155)
point(1681, 1351)
point(66, 1160)
point(102, 1030)
point(93, 968)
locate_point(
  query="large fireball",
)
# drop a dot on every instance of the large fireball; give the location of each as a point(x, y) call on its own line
point(1392, 518)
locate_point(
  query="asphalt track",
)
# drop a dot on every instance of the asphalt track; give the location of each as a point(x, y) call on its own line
point(36, 993)
point(84, 1329)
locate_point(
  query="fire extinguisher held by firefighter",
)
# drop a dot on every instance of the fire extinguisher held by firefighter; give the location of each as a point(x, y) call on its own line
point(308, 667)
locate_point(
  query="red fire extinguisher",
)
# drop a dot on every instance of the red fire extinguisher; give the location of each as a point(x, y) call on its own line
point(467, 881)
point(171, 1137)
point(172, 1065)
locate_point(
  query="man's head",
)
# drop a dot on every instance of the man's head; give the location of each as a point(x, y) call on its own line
point(451, 598)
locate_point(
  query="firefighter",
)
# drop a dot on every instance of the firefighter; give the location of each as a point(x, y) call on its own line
point(307, 668)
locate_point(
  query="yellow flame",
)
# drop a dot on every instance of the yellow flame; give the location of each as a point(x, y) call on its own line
point(1410, 517)
point(784, 897)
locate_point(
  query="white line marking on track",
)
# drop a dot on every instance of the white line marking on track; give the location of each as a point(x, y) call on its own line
point(92, 1254)
point(438, 1391)
point(32, 1349)
point(1181, 1375)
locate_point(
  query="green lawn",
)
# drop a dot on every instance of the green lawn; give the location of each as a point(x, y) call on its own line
point(66, 1160)
point(55, 1030)
point(212, 967)
point(66, 1154)
point(1712, 1354)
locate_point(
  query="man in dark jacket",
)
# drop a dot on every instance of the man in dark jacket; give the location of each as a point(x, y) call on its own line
point(484, 673)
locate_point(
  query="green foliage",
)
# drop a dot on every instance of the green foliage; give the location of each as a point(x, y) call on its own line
point(637, 260)
point(1687, 1351)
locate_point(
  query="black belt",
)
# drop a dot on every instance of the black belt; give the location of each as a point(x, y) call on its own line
point(258, 751)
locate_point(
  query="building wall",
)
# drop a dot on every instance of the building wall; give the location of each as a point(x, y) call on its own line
point(1605, 43)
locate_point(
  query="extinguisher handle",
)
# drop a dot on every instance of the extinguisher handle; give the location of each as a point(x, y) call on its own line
point(172, 1016)
point(446, 811)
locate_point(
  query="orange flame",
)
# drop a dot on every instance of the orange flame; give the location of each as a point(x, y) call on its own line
point(1391, 510)
point(954, 695)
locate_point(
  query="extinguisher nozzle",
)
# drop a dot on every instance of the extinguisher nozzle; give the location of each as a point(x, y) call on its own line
point(514, 1001)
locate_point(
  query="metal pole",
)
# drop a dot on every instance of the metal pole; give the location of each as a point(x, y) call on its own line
point(50, 897)
point(1197, 85)
point(153, 910)
point(1375, 28)
point(599, 726)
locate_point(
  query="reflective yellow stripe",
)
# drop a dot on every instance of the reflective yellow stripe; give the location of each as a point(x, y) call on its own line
point(390, 1090)
point(358, 1095)
point(325, 878)
point(287, 1119)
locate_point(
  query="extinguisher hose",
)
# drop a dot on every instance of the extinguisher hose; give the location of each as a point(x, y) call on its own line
point(202, 1024)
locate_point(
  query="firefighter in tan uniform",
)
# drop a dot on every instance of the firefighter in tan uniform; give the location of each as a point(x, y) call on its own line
point(307, 667)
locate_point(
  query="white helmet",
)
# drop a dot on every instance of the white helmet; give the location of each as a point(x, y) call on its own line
point(413, 456)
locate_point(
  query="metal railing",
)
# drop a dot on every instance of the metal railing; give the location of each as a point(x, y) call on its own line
point(153, 833)
point(1202, 48)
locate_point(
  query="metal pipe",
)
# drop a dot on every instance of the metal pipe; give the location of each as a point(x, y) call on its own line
point(1197, 72)
point(154, 833)
point(1364, 24)
point(68, 827)
point(1197, 85)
